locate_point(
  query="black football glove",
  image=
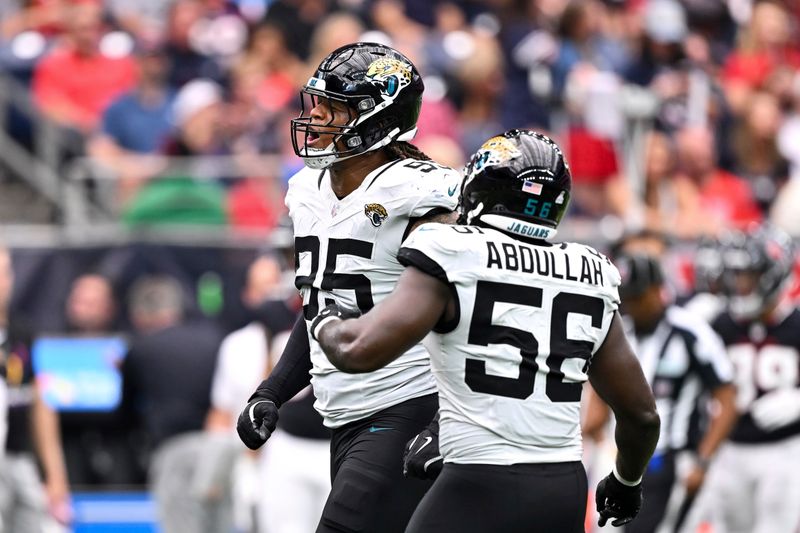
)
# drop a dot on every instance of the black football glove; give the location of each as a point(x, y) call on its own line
point(332, 311)
point(618, 501)
point(422, 459)
point(257, 422)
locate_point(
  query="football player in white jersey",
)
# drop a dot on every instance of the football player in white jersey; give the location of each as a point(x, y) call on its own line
point(521, 324)
point(362, 191)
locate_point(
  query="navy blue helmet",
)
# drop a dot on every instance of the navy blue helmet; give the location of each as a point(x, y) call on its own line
point(757, 269)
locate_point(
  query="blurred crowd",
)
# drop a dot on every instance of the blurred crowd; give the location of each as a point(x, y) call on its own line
point(680, 119)
point(678, 116)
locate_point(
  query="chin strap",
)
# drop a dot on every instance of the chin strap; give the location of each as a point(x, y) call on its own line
point(323, 161)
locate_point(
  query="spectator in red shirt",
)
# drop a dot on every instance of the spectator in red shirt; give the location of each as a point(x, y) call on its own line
point(708, 198)
point(598, 187)
point(764, 59)
point(75, 83)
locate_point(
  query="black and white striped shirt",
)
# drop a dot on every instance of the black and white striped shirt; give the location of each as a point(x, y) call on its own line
point(683, 360)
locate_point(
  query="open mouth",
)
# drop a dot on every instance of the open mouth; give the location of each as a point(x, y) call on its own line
point(319, 137)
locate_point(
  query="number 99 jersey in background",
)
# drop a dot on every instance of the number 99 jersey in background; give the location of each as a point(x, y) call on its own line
point(346, 252)
point(510, 368)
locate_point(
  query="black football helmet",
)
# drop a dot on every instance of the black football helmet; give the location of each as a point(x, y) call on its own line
point(757, 269)
point(382, 90)
point(707, 264)
point(518, 182)
point(638, 272)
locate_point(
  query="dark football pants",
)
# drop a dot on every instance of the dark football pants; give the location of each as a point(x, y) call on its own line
point(524, 498)
point(368, 491)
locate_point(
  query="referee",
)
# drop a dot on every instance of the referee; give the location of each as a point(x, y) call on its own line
point(687, 367)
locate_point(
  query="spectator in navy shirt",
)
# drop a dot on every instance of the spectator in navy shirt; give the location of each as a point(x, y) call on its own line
point(136, 123)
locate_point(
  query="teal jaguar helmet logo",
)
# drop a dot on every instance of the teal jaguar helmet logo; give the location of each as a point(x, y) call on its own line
point(495, 151)
point(391, 74)
point(376, 214)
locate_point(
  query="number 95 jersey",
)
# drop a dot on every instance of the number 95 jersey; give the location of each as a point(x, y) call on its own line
point(346, 252)
point(511, 366)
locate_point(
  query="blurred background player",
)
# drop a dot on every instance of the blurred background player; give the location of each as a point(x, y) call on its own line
point(5, 300)
point(285, 489)
point(363, 189)
point(685, 363)
point(754, 484)
point(708, 298)
point(28, 502)
point(245, 357)
point(167, 378)
point(98, 448)
point(3, 407)
point(510, 430)
point(294, 474)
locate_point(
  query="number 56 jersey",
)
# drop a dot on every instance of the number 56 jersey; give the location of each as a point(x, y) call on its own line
point(510, 367)
point(346, 252)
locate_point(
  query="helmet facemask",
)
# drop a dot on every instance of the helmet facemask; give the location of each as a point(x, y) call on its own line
point(382, 92)
point(308, 138)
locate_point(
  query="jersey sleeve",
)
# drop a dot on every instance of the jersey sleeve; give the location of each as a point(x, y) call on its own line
point(424, 249)
point(606, 288)
point(298, 190)
point(613, 282)
point(430, 249)
point(609, 289)
point(433, 189)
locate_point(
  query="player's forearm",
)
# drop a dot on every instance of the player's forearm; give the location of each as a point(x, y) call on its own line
point(389, 329)
point(336, 340)
point(636, 439)
point(352, 346)
point(292, 373)
point(721, 423)
point(47, 441)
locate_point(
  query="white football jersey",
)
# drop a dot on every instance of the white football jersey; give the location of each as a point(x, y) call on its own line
point(346, 252)
point(510, 369)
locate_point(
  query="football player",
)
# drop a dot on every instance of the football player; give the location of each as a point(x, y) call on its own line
point(708, 300)
point(363, 189)
point(522, 324)
point(687, 366)
point(754, 485)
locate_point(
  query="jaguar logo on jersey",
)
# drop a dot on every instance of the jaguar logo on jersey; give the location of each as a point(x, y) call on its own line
point(376, 213)
point(391, 74)
point(495, 151)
